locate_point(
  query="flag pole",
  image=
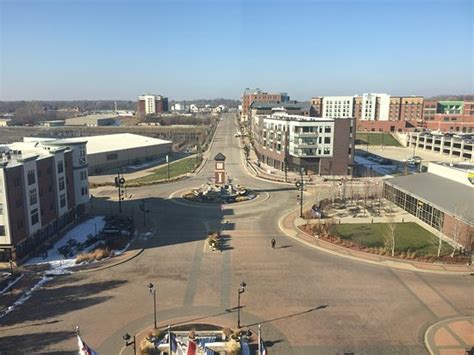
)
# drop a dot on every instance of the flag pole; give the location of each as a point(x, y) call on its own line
point(169, 339)
point(259, 340)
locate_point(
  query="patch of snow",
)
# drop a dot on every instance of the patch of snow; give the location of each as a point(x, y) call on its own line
point(26, 296)
point(12, 283)
point(121, 251)
point(79, 233)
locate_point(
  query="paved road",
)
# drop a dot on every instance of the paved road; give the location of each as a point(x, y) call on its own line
point(308, 302)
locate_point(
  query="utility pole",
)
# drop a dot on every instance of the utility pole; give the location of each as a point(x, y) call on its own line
point(119, 182)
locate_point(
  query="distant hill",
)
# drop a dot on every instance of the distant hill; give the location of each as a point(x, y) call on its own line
point(452, 97)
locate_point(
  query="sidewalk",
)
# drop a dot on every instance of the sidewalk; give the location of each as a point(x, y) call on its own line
point(450, 336)
point(289, 225)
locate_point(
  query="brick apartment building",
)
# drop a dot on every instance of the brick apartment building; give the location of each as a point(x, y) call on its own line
point(323, 146)
point(373, 111)
point(43, 188)
point(249, 96)
point(449, 116)
point(152, 104)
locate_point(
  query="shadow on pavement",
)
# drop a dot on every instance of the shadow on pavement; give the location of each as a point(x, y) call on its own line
point(175, 220)
point(59, 298)
point(34, 343)
point(289, 315)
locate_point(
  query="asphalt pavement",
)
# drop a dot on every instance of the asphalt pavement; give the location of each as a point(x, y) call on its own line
point(307, 301)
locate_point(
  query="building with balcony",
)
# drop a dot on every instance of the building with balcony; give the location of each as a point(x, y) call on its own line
point(43, 188)
point(322, 146)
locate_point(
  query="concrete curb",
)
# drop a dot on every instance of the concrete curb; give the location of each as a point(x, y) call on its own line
point(389, 263)
point(133, 256)
point(137, 253)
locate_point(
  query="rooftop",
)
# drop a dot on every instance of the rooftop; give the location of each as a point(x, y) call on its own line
point(300, 118)
point(284, 104)
point(107, 142)
point(449, 196)
point(90, 119)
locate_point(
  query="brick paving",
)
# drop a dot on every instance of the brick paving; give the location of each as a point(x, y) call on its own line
point(450, 336)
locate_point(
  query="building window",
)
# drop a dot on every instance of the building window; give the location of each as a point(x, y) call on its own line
point(33, 197)
point(327, 151)
point(61, 183)
point(327, 140)
point(31, 177)
point(20, 224)
point(34, 216)
point(112, 156)
point(62, 201)
point(60, 167)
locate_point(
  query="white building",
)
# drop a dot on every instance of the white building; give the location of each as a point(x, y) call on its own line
point(369, 107)
point(113, 151)
point(337, 106)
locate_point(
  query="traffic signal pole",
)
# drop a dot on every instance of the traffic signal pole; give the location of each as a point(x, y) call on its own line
point(119, 182)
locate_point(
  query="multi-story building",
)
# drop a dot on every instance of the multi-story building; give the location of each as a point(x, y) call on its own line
point(249, 96)
point(43, 188)
point(337, 106)
point(449, 116)
point(290, 107)
point(323, 146)
point(317, 103)
point(152, 104)
point(411, 109)
point(430, 108)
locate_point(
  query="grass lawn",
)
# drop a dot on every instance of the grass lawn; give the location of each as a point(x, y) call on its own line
point(376, 139)
point(180, 167)
point(408, 236)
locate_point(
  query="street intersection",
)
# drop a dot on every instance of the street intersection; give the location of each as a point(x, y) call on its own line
point(307, 301)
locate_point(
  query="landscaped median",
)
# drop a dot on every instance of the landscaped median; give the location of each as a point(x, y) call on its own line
point(177, 169)
point(409, 240)
point(324, 240)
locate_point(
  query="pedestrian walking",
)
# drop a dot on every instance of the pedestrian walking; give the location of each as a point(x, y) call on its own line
point(273, 243)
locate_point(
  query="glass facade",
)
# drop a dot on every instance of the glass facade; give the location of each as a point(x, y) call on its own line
point(420, 209)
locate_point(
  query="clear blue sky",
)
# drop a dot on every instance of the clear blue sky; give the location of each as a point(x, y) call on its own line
point(109, 49)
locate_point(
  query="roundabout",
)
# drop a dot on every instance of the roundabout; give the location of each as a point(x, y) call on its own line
point(308, 300)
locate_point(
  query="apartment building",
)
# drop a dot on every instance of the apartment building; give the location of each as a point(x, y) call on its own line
point(373, 111)
point(449, 116)
point(43, 188)
point(249, 96)
point(290, 107)
point(152, 104)
point(337, 106)
point(323, 146)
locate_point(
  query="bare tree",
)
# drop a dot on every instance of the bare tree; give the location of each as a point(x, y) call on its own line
point(438, 221)
point(460, 230)
point(389, 239)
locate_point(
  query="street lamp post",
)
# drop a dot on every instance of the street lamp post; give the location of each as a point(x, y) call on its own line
point(127, 338)
point(152, 290)
point(240, 291)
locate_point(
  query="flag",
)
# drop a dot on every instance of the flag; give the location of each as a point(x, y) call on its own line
point(191, 348)
point(83, 348)
point(175, 347)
